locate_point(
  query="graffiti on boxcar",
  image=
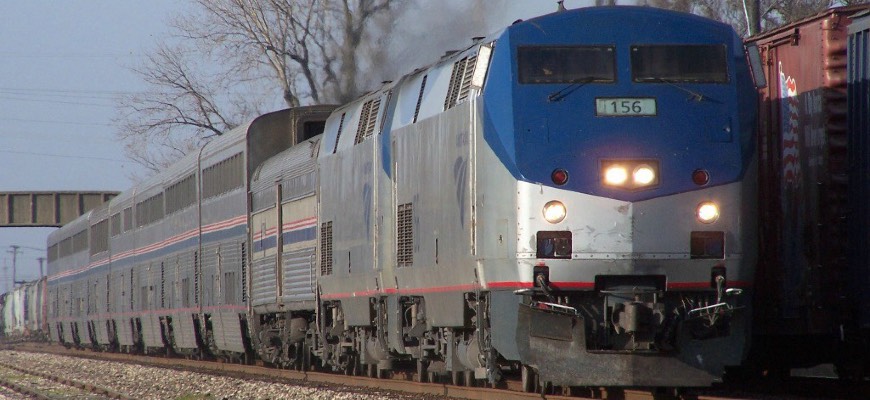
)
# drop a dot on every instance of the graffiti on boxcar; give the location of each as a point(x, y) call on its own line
point(790, 141)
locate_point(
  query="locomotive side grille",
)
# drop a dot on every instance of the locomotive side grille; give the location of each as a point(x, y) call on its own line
point(326, 248)
point(131, 292)
point(338, 135)
point(405, 229)
point(195, 277)
point(420, 97)
point(373, 117)
point(465, 89)
point(363, 117)
point(108, 294)
point(367, 119)
point(230, 288)
point(460, 82)
point(384, 120)
point(244, 274)
point(162, 285)
point(453, 89)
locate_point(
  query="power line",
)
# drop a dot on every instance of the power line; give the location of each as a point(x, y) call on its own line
point(77, 91)
point(66, 156)
point(66, 92)
point(61, 95)
point(57, 102)
point(45, 121)
point(109, 93)
point(10, 54)
point(59, 136)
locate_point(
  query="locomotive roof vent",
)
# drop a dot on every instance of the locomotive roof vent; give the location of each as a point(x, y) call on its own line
point(449, 53)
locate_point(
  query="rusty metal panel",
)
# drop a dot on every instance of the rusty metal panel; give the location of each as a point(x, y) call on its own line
point(803, 169)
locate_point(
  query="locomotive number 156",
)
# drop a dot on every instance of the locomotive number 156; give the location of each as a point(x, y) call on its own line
point(625, 107)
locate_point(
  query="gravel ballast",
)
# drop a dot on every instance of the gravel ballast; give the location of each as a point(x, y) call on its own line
point(143, 382)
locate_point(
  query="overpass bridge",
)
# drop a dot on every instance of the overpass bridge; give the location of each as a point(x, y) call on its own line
point(47, 209)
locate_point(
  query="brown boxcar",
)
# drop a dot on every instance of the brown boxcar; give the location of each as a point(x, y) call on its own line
point(803, 305)
point(859, 167)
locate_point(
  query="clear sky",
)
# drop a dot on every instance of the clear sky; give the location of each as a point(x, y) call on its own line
point(62, 66)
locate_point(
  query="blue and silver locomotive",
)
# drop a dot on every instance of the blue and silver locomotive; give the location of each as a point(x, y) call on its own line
point(569, 198)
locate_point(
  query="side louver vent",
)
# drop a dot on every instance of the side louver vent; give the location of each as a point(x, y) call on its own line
point(338, 135)
point(326, 248)
point(405, 242)
point(460, 82)
point(420, 98)
point(244, 273)
point(367, 120)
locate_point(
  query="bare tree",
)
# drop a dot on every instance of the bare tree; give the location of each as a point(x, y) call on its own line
point(229, 55)
point(740, 13)
point(161, 126)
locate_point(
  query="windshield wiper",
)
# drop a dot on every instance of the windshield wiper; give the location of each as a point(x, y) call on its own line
point(567, 90)
point(693, 95)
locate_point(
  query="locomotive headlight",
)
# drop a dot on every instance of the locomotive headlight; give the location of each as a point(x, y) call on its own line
point(615, 175)
point(708, 212)
point(630, 174)
point(554, 212)
point(644, 175)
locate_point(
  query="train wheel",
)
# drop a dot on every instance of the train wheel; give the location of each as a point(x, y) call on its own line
point(421, 371)
point(545, 387)
point(357, 366)
point(455, 378)
point(468, 378)
point(529, 379)
point(348, 369)
point(306, 359)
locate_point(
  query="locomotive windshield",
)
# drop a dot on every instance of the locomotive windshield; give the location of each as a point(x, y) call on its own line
point(566, 64)
point(679, 63)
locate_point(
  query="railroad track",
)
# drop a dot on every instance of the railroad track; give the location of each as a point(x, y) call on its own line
point(42, 386)
point(404, 382)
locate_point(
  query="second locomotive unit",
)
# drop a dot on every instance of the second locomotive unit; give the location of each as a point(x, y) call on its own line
point(569, 197)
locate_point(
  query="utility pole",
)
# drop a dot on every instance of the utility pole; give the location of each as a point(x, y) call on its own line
point(752, 10)
point(6, 275)
point(14, 252)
